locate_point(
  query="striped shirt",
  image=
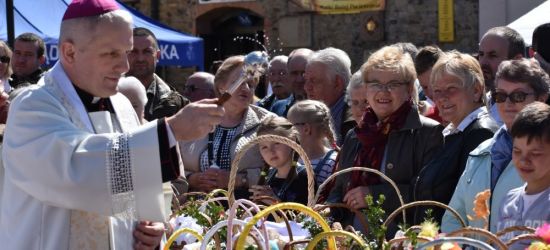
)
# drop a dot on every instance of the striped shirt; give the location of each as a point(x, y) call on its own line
point(220, 147)
point(323, 167)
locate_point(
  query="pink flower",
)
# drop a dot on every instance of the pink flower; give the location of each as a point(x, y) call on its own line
point(544, 232)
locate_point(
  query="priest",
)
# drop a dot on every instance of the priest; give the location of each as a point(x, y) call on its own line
point(80, 171)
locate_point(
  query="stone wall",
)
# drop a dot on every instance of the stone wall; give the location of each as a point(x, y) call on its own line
point(402, 21)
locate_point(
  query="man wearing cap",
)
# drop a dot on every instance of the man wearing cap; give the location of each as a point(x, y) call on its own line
point(80, 171)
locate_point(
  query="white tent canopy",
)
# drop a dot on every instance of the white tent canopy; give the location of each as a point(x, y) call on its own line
point(526, 24)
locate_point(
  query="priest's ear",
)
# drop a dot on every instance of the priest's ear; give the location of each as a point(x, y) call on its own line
point(67, 51)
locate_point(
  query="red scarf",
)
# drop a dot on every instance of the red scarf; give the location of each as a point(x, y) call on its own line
point(373, 136)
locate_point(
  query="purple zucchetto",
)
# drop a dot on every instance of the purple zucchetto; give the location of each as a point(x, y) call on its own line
point(85, 8)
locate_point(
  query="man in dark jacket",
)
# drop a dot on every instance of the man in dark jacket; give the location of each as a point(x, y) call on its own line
point(28, 55)
point(162, 99)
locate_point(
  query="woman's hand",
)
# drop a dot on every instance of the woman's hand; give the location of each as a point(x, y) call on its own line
point(355, 198)
point(218, 178)
point(148, 235)
point(202, 182)
point(258, 191)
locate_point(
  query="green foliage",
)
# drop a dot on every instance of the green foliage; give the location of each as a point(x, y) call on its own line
point(375, 218)
point(213, 211)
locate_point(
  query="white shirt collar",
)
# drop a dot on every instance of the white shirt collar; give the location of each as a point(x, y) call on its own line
point(451, 129)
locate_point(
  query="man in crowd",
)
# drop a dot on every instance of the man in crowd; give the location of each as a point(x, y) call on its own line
point(496, 45)
point(327, 75)
point(94, 171)
point(200, 85)
point(162, 99)
point(28, 55)
point(277, 79)
point(296, 66)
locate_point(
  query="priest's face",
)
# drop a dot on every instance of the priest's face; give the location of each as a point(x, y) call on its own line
point(99, 63)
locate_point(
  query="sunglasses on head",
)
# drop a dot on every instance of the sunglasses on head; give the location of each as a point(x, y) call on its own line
point(4, 59)
point(515, 97)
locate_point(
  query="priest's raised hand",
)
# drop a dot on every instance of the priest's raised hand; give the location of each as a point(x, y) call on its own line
point(195, 120)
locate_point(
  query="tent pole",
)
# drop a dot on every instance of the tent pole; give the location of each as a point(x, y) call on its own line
point(9, 22)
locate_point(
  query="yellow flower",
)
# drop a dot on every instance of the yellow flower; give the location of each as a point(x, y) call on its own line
point(538, 246)
point(428, 229)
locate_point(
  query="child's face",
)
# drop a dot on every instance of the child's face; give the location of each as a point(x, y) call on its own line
point(532, 161)
point(275, 154)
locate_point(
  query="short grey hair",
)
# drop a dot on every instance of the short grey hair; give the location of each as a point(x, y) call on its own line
point(280, 58)
point(132, 84)
point(73, 28)
point(336, 60)
point(355, 82)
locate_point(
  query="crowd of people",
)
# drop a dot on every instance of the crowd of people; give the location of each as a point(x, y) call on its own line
point(442, 125)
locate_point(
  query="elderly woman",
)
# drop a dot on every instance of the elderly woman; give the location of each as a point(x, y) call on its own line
point(207, 161)
point(458, 91)
point(356, 95)
point(392, 137)
point(132, 88)
point(517, 84)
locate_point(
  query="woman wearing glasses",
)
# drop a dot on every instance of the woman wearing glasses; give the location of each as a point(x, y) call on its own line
point(489, 166)
point(458, 91)
point(392, 137)
point(5, 73)
point(5, 65)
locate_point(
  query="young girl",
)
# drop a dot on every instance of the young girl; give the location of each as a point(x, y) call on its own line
point(313, 121)
point(284, 181)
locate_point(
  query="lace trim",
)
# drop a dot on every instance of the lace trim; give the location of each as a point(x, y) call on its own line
point(119, 178)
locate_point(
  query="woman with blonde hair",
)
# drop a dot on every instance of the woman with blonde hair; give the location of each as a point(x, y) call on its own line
point(207, 161)
point(458, 91)
point(392, 137)
point(313, 121)
point(5, 73)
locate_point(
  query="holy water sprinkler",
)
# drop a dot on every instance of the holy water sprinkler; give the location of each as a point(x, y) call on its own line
point(255, 65)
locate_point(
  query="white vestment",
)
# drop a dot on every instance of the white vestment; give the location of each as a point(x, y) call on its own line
point(70, 179)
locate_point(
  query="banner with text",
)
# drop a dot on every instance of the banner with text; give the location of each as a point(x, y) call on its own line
point(342, 6)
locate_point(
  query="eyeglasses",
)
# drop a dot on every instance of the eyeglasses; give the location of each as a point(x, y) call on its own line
point(391, 86)
point(515, 97)
point(4, 59)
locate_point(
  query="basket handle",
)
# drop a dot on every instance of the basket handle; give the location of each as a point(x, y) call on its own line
point(279, 139)
point(481, 232)
point(322, 235)
point(284, 206)
point(424, 203)
point(461, 240)
point(177, 233)
point(364, 169)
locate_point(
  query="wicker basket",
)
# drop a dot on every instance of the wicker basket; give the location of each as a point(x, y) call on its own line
point(279, 139)
point(323, 235)
point(281, 207)
point(423, 203)
point(502, 232)
point(522, 237)
point(177, 233)
point(479, 232)
point(364, 169)
point(461, 240)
